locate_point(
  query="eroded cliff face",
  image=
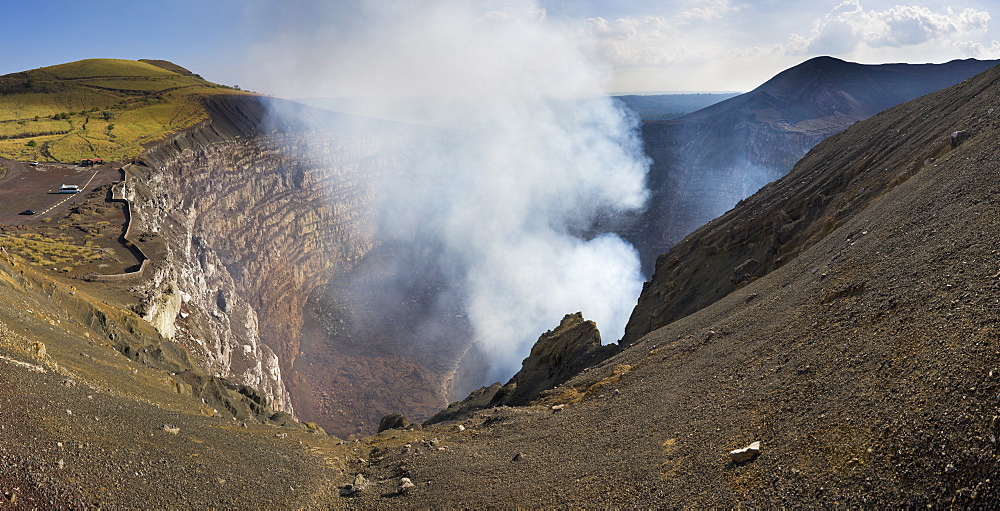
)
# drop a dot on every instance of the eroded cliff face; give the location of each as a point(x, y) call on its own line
point(252, 223)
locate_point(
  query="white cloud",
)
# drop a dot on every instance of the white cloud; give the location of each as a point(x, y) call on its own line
point(712, 10)
point(645, 44)
point(648, 41)
point(363, 48)
point(849, 26)
point(658, 40)
point(978, 50)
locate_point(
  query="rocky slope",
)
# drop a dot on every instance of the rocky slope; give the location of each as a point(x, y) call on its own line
point(707, 161)
point(64, 328)
point(863, 360)
point(813, 201)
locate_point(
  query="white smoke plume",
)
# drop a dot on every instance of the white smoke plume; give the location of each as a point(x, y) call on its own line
point(528, 153)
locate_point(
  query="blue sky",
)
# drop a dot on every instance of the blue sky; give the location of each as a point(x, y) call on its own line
point(646, 45)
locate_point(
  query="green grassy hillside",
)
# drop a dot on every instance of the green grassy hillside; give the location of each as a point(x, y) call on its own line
point(103, 108)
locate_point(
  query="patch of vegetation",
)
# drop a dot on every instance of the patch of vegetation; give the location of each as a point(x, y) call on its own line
point(96, 68)
point(169, 66)
point(39, 250)
point(64, 112)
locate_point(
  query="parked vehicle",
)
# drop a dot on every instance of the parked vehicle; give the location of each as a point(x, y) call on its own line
point(69, 189)
point(28, 212)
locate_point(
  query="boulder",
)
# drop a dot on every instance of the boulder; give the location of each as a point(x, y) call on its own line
point(393, 421)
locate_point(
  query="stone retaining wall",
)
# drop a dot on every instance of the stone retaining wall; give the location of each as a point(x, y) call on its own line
point(118, 194)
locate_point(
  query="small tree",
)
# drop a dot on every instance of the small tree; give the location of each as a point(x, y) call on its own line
point(32, 143)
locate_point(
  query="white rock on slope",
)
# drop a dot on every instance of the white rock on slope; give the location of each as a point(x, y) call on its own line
point(746, 453)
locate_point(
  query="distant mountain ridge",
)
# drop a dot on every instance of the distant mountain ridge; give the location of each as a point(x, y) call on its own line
point(707, 161)
point(662, 107)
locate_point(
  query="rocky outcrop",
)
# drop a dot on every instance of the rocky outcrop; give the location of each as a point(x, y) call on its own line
point(557, 356)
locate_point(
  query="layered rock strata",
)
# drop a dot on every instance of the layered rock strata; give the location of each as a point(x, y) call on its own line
point(256, 210)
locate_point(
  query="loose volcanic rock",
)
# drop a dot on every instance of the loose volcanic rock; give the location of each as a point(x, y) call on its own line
point(170, 428)
point(359, 484)
point(747, 453)
point(405, 485)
